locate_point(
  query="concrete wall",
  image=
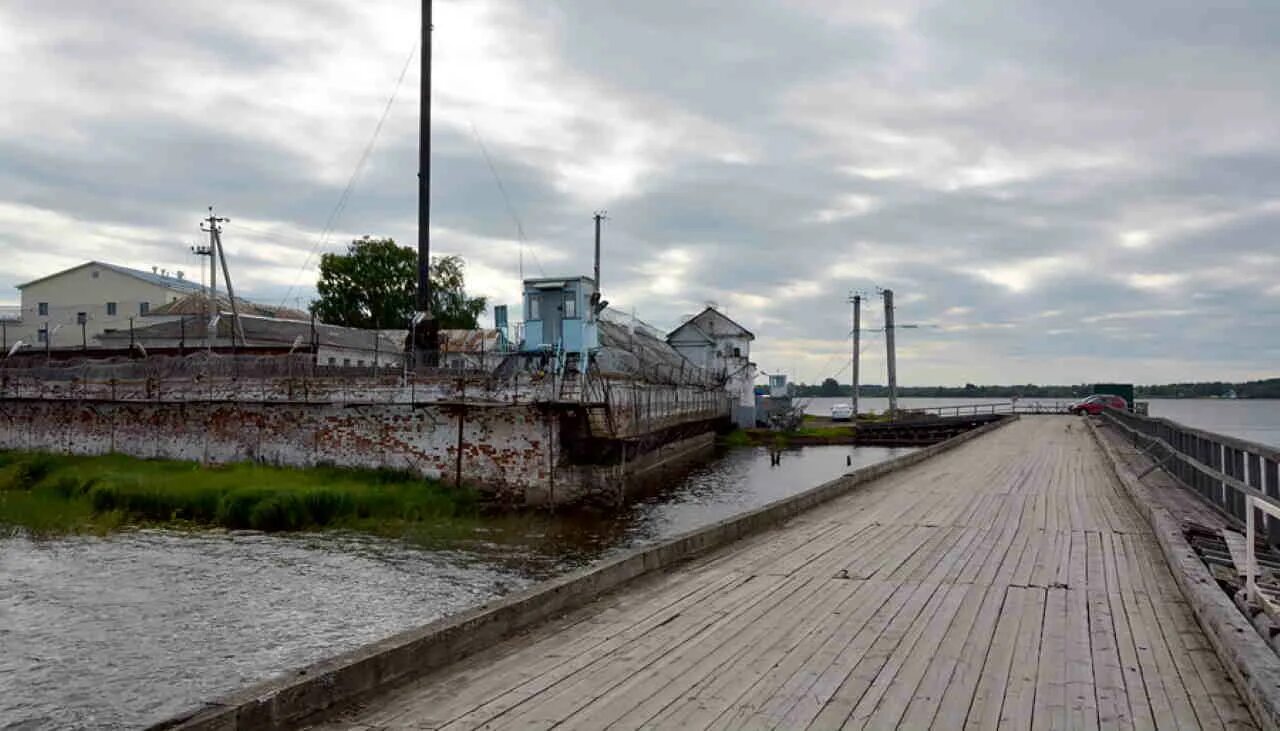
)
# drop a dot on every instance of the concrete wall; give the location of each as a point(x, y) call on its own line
point(510, 430)
point(510, 452)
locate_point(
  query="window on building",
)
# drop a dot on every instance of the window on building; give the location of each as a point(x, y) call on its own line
point(94, 274)
point(570, 306)
point(346, 362)
point(333, 361)
point(42, 335)
point(82, 318)
point(535, 308)
point(111, 309)
point(144, 308)
point(737, 352)
point(360, 363)
point(42, 309)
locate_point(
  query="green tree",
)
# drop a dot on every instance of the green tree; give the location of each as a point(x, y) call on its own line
point(830, 387)
point(373, 284)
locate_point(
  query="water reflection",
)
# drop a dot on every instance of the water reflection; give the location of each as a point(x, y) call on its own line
point(131, 628)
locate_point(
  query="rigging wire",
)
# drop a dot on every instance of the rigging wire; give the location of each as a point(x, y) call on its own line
point(345, 198)
point(511, 211)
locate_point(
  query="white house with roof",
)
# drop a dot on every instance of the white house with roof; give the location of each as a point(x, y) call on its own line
point(75, 305)
point(712, 341)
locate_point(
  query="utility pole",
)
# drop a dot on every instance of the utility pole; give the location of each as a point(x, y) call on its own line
point(211, 294)
point(891, 362)
point(48, 341)
point(600, 216)
point(219, 255)
point(857, 344)
point(315, 344)
point(428, 338)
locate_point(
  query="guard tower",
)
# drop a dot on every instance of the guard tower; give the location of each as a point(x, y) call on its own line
point(558, 318)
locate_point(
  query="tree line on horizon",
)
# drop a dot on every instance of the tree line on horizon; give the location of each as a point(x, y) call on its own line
point(1267, 388)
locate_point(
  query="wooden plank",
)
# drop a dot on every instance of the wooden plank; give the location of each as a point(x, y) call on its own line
point(1176, 709)
point(976, 618)
point(588, 635)
point(743, 603)
point(817, 686)
point(1238, 547)
point(883, 704)
point(1226, 701)
point(1108, 675)
point(1188, 674)
point(839, 706)
point(977, 688)
point(1018, 707)
point(1051, 675)
point(765, 702)
point(690, 701)
point(1081, 686)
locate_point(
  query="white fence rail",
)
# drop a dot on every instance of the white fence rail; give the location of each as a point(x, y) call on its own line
point(1261, 598)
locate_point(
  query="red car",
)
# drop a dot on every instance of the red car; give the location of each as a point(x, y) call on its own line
point(1095, 404)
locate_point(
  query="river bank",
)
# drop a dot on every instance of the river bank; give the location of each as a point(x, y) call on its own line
point(57, 494)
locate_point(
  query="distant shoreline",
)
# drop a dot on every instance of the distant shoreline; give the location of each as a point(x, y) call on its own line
point(1140, 397)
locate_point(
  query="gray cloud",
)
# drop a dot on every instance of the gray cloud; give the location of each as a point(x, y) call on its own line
point(1062, 193)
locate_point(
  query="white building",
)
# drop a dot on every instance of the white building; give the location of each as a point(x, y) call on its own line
point(712, 341)
point(74, 306)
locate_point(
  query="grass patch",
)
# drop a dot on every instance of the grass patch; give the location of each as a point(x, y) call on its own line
point(823, 432)
point(50, 494)
point(804, 435)
point(736, 438)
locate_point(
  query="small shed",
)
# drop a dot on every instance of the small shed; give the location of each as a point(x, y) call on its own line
point(557, 316)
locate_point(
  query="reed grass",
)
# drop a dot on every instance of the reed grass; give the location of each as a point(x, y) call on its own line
point(43, 494)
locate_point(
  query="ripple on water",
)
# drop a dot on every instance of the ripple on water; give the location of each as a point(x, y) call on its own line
point(132, 628)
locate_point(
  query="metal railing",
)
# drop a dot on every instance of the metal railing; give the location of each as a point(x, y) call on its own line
point(1233, 475)
point(1007, 407)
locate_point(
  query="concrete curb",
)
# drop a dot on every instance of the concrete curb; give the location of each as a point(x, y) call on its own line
point(1253, 666)
point(295, 697)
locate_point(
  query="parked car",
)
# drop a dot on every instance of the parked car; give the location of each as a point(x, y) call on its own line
point(1096, 403)
point(842, 412)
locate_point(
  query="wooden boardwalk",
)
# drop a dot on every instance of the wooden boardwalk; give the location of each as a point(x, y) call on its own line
point(1007, 583)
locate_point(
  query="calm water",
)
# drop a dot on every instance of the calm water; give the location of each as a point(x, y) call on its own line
point(127, 630)
point(1257, 420)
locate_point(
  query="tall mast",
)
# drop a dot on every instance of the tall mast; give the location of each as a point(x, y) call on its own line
point(857, 344)
point(891, 353)
point(425, 329)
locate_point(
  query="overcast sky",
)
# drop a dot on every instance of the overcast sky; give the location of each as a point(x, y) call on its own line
point(1061, 192)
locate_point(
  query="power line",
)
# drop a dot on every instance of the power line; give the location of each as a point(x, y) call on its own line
point(510, 208)
point(355, 174)
point(297, 237)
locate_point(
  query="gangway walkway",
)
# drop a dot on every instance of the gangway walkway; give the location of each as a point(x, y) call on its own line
point(1006, 583)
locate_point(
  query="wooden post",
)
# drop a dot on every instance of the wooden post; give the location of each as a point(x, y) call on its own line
point(462, 408)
